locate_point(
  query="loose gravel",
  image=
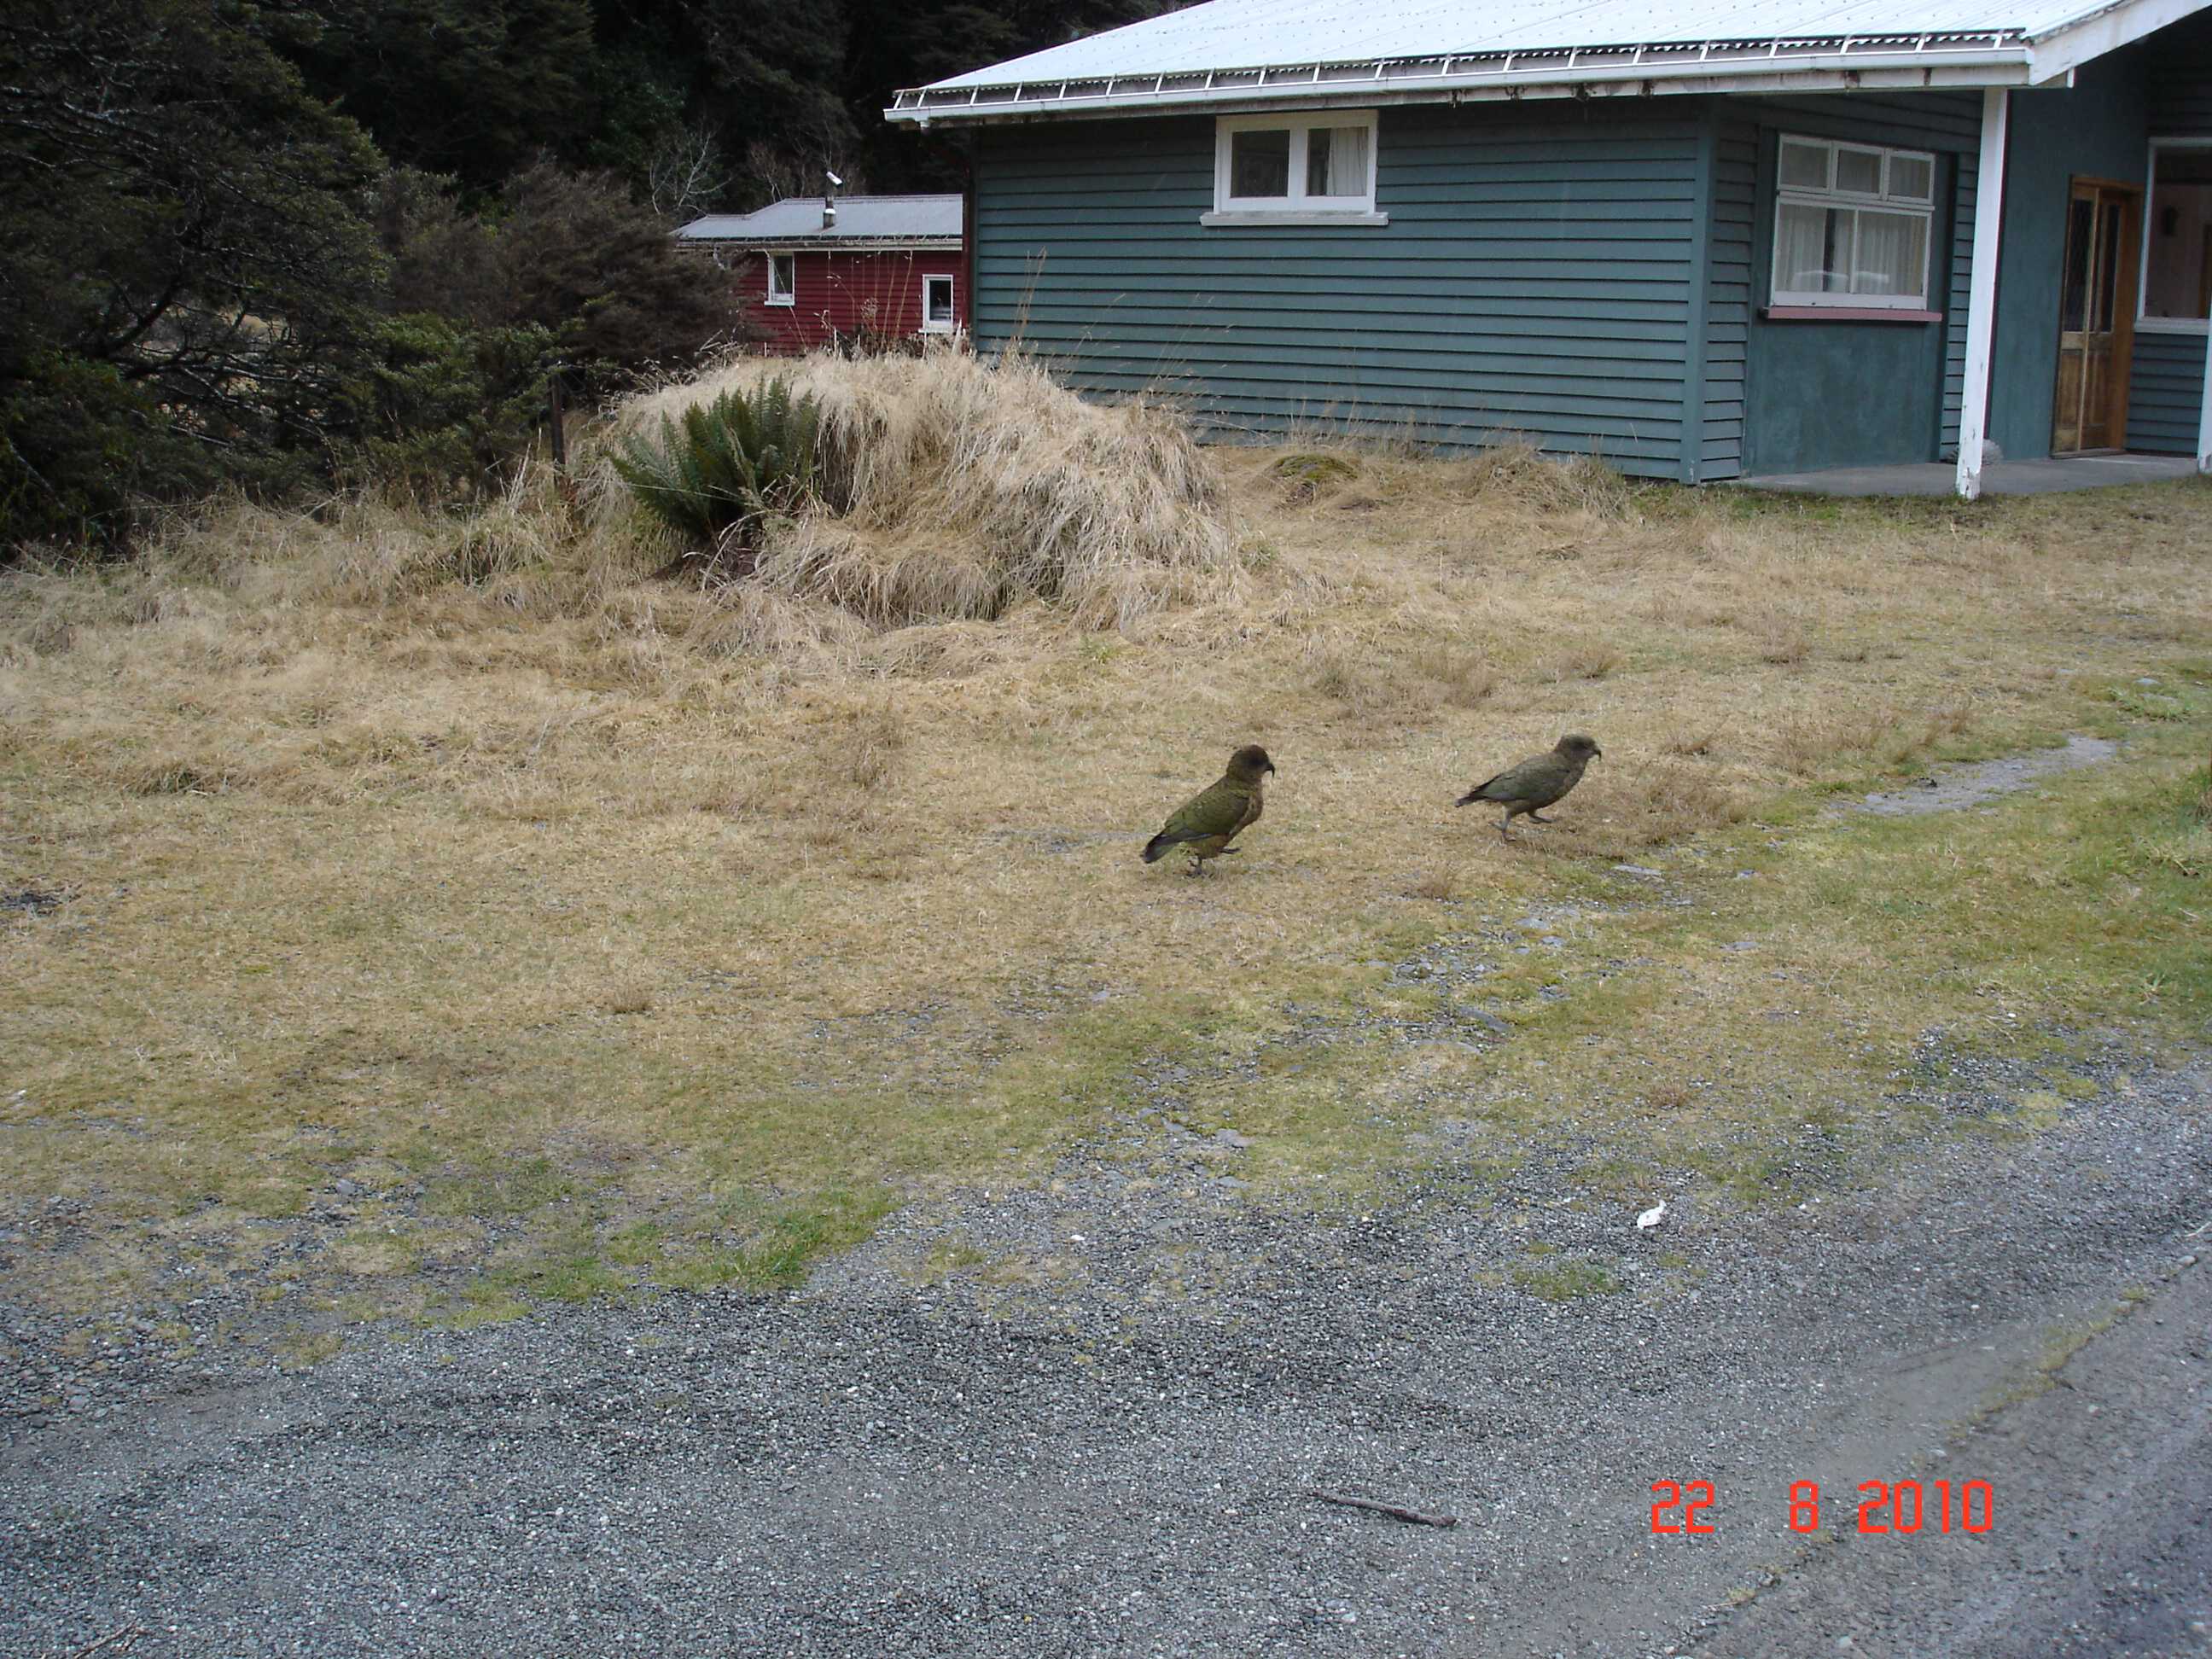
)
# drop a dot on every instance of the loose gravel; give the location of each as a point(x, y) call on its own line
point(1101, 1435)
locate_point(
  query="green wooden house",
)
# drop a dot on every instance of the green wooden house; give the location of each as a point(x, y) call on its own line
point(1701, 240)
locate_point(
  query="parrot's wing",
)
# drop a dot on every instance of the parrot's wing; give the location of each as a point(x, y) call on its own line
point(1216, 810)
point(1505, 785)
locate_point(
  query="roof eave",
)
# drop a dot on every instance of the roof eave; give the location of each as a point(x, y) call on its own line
point(2058, 53)
point(831, 244)
point(1772, 66)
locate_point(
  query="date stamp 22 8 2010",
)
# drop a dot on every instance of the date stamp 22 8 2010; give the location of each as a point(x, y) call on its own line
point(1908, 1508)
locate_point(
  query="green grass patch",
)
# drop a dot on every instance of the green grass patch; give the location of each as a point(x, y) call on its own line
point(1565, 1280)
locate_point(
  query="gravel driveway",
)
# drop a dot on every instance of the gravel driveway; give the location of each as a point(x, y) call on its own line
point(1121, 1456)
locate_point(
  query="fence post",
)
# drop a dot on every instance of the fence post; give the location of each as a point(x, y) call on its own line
point(559, 424)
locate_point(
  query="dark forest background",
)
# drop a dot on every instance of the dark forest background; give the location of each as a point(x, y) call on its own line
point(269, 246)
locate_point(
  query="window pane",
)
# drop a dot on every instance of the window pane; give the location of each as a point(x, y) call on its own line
point(1892, 255)
point(780, 276)
point(1911, 178)
point(1804, 166)
point(937, 298)
point(1807, 245)
point(1858, 171)
point(2178, 274)
point(1260, 163)
point(1336, 161)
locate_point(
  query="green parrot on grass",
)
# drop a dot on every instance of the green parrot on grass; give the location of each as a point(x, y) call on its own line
point(1204, 824)
point(1536, 783)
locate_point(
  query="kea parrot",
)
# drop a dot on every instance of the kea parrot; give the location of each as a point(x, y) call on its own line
point(1536, 783)
point(1207, 822)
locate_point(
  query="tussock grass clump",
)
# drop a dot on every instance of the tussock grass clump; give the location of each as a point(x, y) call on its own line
point(1514, 470)
point(975, 486)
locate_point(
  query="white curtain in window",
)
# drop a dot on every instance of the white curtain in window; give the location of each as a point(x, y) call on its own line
point(1892, 256)
point(1348, 161)
point(1800, 251)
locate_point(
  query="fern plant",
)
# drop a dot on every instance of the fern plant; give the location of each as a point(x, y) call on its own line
point(728, 465)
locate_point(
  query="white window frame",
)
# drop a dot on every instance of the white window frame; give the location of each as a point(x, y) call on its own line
point(1295, 207)
point(789, 296)
point(1830, 196)
point(951, 323)
point(2161, 324)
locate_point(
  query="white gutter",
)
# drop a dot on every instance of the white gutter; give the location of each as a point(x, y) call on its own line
point(1899, 62)
point(1981, 291)
point(829, 244)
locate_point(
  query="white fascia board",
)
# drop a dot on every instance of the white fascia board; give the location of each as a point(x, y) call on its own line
point(2060, 52)
point(1902, 71)
point(820, 244)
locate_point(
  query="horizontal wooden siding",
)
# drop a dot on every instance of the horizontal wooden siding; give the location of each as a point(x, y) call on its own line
point(2166, 392)
point(1729, 302)
point(837, 295)
point(2178, 78)
point(1534, 280)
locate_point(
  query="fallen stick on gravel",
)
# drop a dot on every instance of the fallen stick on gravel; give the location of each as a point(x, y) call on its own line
point(133, 1631)
point(1391, 1509)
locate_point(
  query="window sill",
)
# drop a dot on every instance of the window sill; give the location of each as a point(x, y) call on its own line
point(2172, 326)
point(1845, 314)
point(1290, 216)
point(786, 304)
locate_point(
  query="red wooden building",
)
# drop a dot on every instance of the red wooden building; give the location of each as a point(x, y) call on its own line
point(808, 268)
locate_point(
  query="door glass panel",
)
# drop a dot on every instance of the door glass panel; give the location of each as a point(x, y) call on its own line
point(2108, 266)
point(2073, 296)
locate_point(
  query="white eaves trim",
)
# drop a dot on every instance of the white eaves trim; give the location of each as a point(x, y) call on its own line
point(1892, 60)
point(828, 244)
point(2061, 51)
point(1535, 75)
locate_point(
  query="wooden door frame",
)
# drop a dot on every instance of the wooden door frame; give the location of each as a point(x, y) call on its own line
point(2127, 295)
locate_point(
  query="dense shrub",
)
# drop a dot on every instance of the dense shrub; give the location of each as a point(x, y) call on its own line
point(439, 406)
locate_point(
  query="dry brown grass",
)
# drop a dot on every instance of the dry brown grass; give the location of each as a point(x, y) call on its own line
point(975, 487)
point(394, 842)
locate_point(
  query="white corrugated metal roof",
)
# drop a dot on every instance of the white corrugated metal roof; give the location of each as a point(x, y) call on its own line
point(860, 219)
point(1268, 51)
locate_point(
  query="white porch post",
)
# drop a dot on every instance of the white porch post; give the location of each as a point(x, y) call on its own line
point(2204, 413)
point(1981, 291)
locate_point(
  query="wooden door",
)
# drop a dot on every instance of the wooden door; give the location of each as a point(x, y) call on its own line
point(2096, 317)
